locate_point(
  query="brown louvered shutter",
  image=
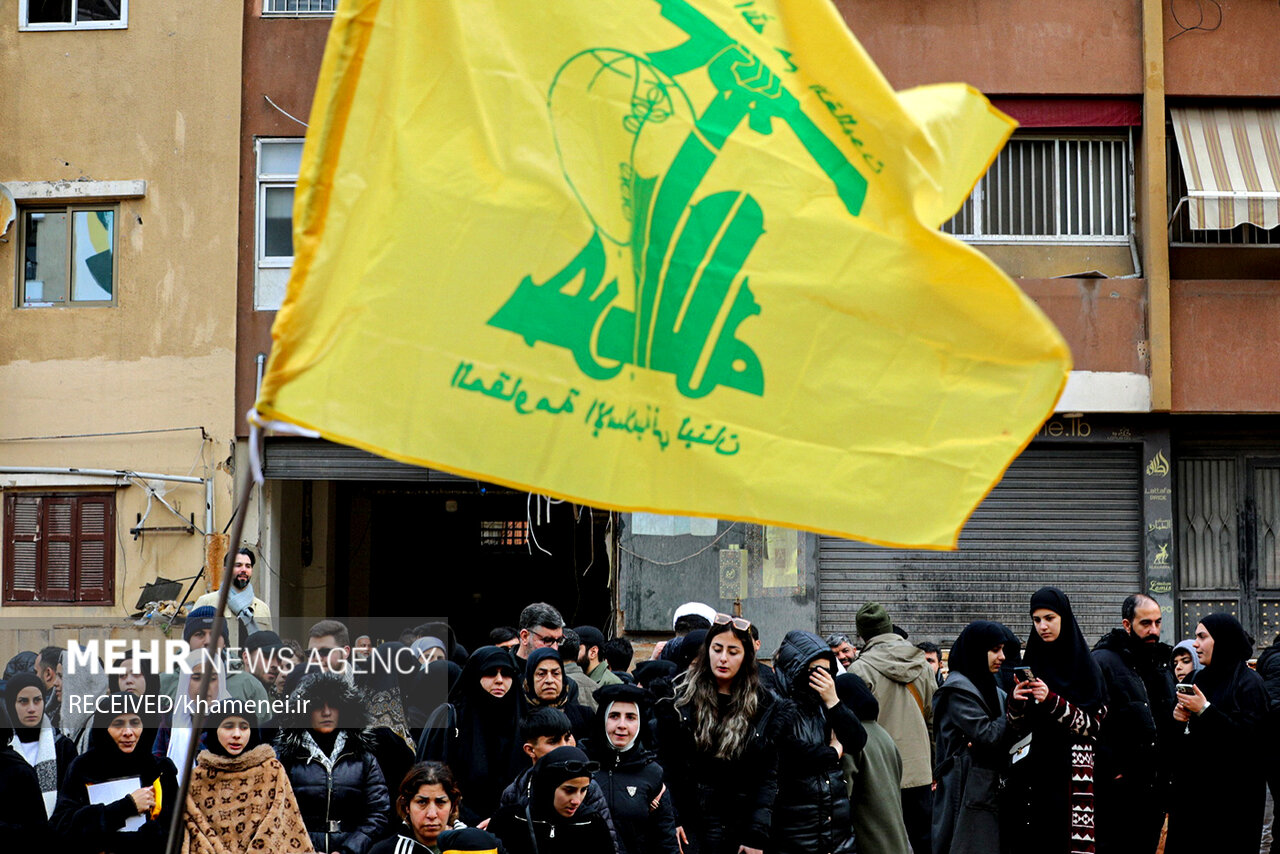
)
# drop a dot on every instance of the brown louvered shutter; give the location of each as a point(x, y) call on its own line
point(59, 550)
point(22, 548)
point(95, 548)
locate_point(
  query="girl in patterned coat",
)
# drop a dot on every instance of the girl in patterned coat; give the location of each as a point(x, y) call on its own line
point(240, 797)
point(1063, 701)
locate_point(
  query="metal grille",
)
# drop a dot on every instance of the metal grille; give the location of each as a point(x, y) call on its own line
point(504, 534)
point(295, 7)
point(1066, 515)
point(1052, 189)
point(1180, 231)
point(1207, 525)
point(1266, 486)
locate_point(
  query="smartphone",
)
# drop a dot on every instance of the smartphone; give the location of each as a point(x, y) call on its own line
point(1184, 688)
point(1023, 674)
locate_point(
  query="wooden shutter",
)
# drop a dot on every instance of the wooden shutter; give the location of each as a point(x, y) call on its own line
point(22, 546)
point(95, 548)
point(59, 548)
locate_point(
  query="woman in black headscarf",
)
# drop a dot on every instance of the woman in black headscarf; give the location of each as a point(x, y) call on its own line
point(546, 686)
point(551, 822)
point(476, 733)
point(22, 816)
point(47, 751)
point(116, 753)
point(1063, 704)
point(1219, 781)
point(973, 740)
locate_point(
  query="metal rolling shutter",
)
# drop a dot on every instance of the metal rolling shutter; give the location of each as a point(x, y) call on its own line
point(289, 458)
point(1064, 515)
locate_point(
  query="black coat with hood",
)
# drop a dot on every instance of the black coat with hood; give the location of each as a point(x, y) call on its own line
point(341, 791)
point(632, 779)
point(811, 812)
point(536, 828)
point(94, 828)
point(1140, 704)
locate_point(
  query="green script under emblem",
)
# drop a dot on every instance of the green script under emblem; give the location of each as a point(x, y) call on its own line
point(686, 255)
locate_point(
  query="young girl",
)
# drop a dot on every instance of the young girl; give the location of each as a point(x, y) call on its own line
point(240, 798)
point(549, 823)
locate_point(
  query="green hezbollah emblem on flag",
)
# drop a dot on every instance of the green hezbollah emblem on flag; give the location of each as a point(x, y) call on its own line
point(679, 256)
point(687, 311)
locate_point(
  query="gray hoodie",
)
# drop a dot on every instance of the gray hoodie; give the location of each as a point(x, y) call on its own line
point(892, 667)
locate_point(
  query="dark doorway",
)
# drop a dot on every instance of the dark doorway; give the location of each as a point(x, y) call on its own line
point(473, 553)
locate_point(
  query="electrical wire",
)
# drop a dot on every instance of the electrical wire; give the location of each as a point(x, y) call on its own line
point(718, 538)
point(1199, 25)
point(203, 433)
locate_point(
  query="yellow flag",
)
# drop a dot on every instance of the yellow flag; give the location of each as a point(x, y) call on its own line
point(666, 255)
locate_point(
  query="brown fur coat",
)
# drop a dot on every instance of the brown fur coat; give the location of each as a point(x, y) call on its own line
point(242, 804)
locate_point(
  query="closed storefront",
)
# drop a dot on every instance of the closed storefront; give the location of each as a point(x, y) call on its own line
point(1068, 514)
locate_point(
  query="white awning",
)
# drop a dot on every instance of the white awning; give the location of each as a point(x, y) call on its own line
point(1231, 159)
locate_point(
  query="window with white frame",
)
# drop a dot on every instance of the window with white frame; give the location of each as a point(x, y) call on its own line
point(278, 163)
point(299, 7)
point(73, 14)
point(68, 256)
point(1058, 189)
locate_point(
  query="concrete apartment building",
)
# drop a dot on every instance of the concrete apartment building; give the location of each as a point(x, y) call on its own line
point(118, 171)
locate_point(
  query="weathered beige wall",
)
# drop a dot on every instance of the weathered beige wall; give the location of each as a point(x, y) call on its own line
point(158, 101)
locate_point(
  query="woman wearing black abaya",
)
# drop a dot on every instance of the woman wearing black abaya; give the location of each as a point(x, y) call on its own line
point(22, 817)
point(1219, 786)
point(47, 751)
point(476, 733)
point(1063, 704)
point(116, 753)
point(974, 736)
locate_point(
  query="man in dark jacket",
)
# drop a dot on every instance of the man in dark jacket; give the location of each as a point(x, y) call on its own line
point(1134, 747)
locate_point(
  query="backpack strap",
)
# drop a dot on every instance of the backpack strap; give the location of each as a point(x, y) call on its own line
point(915, 692)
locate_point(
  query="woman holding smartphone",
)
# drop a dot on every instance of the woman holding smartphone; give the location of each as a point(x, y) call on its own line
point(1060, 697)
point(1219, 786)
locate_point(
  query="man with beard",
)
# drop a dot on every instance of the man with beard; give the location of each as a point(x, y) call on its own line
point(1131, 776)
point(244, 609)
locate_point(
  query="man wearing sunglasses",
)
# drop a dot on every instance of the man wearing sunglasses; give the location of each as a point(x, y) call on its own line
point(540, 626)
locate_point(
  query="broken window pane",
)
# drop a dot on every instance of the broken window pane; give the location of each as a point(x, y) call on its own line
point(93, 239)
point(45, 257)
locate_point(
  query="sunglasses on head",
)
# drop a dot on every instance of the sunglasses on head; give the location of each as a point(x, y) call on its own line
point(742, 624)
point(573, 766)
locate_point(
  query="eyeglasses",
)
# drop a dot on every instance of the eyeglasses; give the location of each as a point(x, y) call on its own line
point(573, 766)
point(742, 624)
point(546, 640)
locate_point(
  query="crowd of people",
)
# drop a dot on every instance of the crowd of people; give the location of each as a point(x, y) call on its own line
point(552, 739)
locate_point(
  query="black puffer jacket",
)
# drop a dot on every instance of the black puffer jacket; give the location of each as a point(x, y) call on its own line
point(343, 806)
point(1269, 670)
point(343, 799)
point(1139, 708)
point(812, 812)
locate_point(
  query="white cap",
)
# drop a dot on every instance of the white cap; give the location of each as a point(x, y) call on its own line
point(693, 608)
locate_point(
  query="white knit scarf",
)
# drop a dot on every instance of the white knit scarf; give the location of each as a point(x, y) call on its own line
point(46, 765)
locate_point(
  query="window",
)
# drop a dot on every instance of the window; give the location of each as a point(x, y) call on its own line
point(278, 162)
point(59, 548)
point(68, 256)
point(1052, 189)
point(73, 14)
point(298, 7)
point(504, 534)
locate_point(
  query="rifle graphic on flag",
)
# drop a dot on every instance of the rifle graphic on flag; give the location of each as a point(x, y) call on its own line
point(656, 255)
